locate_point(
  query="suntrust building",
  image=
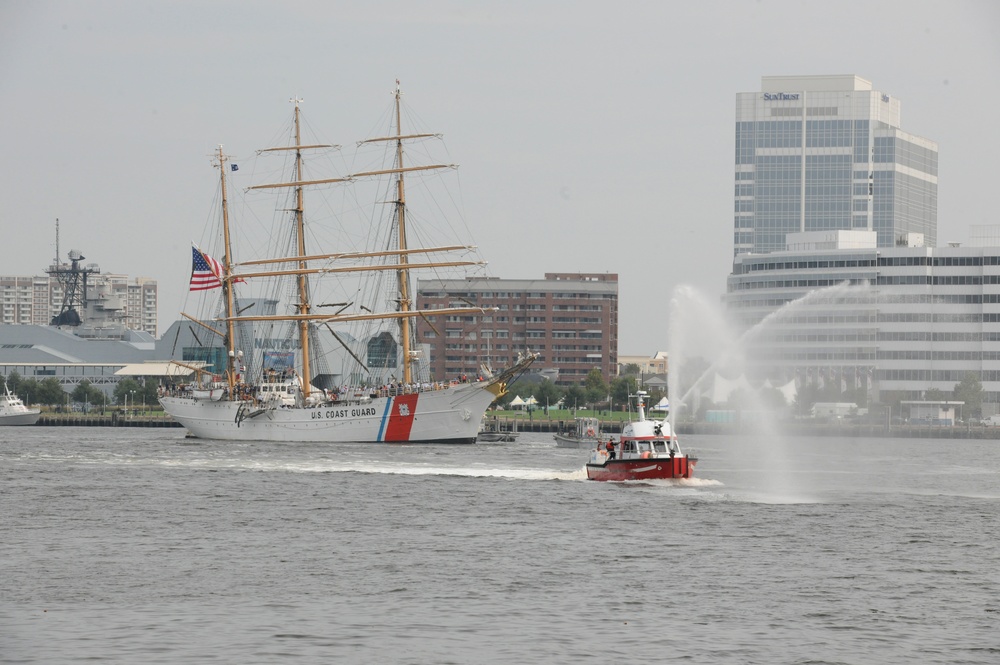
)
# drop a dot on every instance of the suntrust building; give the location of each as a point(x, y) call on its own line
point(824, 153)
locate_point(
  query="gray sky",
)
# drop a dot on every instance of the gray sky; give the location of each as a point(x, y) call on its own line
point(608, 125)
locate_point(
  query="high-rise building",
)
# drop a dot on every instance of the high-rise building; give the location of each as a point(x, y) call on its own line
point(25, 300)
point(107, 304)
point(570, 320)
point(827, 153)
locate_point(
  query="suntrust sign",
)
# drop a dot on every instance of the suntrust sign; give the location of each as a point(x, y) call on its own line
point(780, 96)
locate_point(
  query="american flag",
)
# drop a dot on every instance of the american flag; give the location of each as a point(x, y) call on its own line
point(206, 272)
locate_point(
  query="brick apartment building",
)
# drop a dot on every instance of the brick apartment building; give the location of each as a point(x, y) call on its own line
point(569, 319)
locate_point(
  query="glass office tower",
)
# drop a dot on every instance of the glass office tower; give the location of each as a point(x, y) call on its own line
point(824, 153)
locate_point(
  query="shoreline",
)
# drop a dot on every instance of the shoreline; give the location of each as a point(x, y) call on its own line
point(607, 427)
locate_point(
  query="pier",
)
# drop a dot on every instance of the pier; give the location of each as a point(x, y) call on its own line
point(113, 419)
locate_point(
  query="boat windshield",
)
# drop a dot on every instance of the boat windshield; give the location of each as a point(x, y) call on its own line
point(660, 446)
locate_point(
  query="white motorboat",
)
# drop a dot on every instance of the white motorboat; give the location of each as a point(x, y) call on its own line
point(14, 412)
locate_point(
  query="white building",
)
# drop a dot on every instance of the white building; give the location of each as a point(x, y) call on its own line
point(894, 321)
point(655, 364)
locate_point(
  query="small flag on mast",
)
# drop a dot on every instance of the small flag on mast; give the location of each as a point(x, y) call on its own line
point(206, 272)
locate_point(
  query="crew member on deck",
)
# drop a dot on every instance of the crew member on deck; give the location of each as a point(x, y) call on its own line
point(611, 449)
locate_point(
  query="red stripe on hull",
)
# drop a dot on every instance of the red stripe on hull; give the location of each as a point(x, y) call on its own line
point(642, 469)
point(404, 408)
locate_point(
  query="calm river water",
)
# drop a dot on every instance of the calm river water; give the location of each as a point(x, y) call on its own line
point(141, 546)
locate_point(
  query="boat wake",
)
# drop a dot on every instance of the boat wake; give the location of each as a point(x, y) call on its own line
point(772, 499)
point(697, 482)
point(380, 467)
point(471, 472)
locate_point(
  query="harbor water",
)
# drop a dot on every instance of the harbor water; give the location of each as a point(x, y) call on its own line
point(141, 546)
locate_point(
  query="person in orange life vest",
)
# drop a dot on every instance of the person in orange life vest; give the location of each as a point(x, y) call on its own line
point(611, 449)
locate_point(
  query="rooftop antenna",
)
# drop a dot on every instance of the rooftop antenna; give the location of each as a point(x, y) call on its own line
point(56, 262)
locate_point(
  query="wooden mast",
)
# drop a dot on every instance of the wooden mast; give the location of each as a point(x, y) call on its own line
point(403, 267)
point(227, 283)
point(300, 241)
point(300, 234)
point(404, 272)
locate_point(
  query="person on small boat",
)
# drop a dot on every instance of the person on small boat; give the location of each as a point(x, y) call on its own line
point(611, 449)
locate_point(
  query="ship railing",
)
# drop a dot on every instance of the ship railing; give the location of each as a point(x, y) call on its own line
point(345, 393)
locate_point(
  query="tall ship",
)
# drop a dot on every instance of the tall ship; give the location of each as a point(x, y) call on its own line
point(287, 392)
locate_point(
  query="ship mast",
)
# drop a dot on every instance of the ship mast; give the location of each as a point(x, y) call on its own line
point(300, 240)
point(300, 236)
point(227, 284)
point(403, 273)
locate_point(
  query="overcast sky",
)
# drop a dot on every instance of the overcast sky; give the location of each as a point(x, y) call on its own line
point(592, 136)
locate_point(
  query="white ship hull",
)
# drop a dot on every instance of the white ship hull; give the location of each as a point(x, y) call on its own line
point(451, 415)
point(14, 412)
point(27, 417)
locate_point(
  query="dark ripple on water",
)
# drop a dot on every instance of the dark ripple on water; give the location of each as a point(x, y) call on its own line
point(121, 547)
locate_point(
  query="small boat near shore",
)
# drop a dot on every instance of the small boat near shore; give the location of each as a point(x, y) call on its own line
point(14, 412)
point(586, 433)
point(647, 450)
point(493, 432)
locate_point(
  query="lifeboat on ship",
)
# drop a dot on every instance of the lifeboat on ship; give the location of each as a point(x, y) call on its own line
point(646, 450)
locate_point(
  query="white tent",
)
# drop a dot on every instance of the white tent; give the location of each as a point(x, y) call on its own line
point(789, 391)
point(662, 405)
point(517, 402)
point(531, 401)
point(723, 387)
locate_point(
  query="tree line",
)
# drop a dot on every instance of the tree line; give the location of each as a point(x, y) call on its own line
point(49, 392)
point(594, 392)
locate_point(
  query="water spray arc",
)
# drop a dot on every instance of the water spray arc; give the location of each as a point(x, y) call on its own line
point(737, 346)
